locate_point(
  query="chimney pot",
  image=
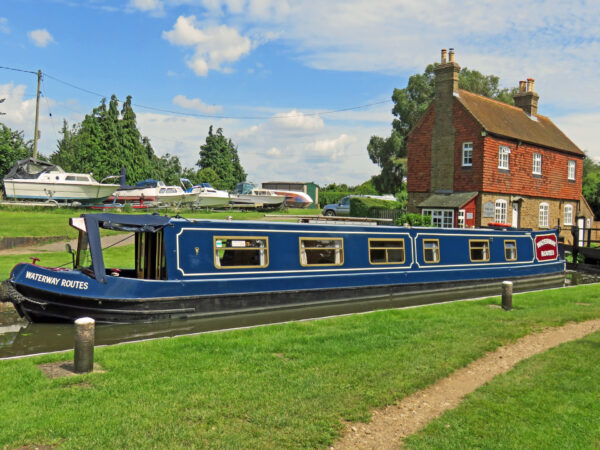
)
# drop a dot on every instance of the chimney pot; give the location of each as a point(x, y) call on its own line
point(522, 86)
point(530, 84)
point(443, 55)
point(451, 54)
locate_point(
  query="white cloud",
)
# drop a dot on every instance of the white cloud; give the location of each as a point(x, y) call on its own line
point(40, 38)
point(274, 152)
point(582, 129)
point(154, 7)
point(297, 120)
point(196, 104)
point(332, 148)
point(4, 25)
point(214, 46)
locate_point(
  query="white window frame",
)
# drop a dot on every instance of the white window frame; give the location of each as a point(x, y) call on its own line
point(537, 164)
point(571, 170)
point(500, 211)
point(503, 157)
point(568, 220)
point(467, 154)
point(440, 218)
point(460, 219)
point(544, 213)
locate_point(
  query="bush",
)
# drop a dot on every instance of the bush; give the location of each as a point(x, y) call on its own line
point(415, 220)
point(367, 207)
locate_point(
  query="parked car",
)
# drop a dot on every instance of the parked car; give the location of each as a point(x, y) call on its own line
point(338, 209)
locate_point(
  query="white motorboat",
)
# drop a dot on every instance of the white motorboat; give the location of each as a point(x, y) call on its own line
point(208, 196)
point(152, 191)
point(246, 194)
point(32, 179)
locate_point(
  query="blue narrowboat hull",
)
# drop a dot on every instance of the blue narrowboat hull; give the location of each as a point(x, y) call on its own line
point(193, 284)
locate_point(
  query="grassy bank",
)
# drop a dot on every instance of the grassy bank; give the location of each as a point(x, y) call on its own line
point(291, 385)
point(55, 222)
point(122, 257)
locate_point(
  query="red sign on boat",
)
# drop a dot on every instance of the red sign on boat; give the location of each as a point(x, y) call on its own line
point(546, 248)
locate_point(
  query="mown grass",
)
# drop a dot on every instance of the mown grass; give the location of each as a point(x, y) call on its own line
point(291, 385)
point(549, 401)
point(120, 256)
point(16, 222)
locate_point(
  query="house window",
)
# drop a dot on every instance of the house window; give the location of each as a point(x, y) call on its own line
point(467, 154)
point(568, 214)
point(537, 164)
point(241, 252)
point(544, 215)
point(386, 251)
point(571, 170)
point(321, 251)
point(500, 213)
point(431, 251)
point(503, 154)
point(510, 250)
point(441, 218)
point(479, 251)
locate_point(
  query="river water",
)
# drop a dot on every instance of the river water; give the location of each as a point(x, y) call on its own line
point(19, 337)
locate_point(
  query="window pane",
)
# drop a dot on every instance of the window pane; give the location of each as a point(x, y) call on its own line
point(510, 250)
point(479, 250)
point(315, 252)
point(431, 252)
point(241, 252)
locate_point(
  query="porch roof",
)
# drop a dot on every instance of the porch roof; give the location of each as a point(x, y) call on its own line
point(450, 200)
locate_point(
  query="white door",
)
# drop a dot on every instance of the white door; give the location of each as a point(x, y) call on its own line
point(515, 214)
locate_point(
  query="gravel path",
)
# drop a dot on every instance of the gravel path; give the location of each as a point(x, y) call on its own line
point(390, 425)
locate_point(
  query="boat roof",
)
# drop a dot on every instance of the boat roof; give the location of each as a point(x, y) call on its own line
point(31, 168)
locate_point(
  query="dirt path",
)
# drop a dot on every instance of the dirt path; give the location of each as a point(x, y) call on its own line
point(390, 425)
point(116, 239)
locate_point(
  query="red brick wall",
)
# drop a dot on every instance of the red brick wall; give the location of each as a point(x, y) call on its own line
point(467, 130)
point(419, 155)
point(520, 180)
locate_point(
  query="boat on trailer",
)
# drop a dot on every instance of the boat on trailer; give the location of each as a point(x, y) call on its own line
point(186, 268)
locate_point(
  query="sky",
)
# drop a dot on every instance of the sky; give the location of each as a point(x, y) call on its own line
point(299, 86)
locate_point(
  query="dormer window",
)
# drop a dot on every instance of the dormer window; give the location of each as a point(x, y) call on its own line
point(571, 171)
point(503, 156)
point(467, 154)
point(537, 164)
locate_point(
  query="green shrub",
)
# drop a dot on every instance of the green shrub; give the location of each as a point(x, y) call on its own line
point(415, 220)
point(367, 207)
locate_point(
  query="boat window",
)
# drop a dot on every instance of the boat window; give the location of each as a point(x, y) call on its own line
point(510, 250)
point(233, 252)
point(76, 178)
point(386, 251)
point(321, 251)
point(431, 250)
point(479, 250)
point(150, 257)
point(84, 258)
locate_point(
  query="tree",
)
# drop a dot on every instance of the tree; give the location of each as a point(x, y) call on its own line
point(220, 154)
point(591, 184)
point(13, 147)
point(409, 105)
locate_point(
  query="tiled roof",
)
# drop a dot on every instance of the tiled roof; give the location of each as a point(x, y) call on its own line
point(450, 200)
point(510, 121)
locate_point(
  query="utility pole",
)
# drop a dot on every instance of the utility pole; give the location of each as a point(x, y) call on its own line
point(37, 114)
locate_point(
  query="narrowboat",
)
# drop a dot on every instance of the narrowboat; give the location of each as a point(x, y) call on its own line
point(186, 268)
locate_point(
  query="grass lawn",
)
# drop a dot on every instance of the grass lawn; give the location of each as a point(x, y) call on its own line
point(122, 256)
point(291, 385)
point(15, 222)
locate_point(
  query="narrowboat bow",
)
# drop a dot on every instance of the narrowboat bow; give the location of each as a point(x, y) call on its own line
point(198, 268)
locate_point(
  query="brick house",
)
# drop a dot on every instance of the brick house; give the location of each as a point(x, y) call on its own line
point(473, 160)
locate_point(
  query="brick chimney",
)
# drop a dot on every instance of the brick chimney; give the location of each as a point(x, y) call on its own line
point(526, 98)
point(442, 139)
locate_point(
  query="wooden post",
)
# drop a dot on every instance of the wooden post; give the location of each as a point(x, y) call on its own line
point(84, 345)
point(507, 290)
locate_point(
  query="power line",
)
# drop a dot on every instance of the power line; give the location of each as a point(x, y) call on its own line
point(18, 70)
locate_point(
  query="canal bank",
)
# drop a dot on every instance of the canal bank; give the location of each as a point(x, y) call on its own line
point(288, 385)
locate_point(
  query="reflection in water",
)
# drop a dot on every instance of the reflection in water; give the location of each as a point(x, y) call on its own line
point(18, 337)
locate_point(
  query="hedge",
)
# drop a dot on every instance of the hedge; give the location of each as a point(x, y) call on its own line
point(366, 206)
